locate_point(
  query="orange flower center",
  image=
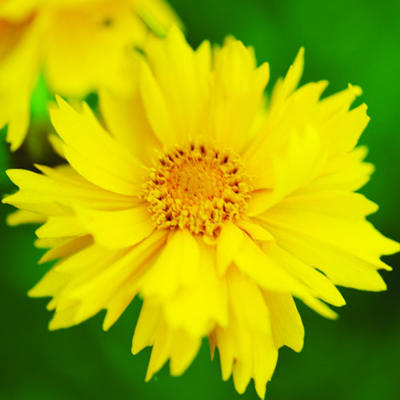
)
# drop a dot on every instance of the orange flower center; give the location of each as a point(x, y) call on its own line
point(197, 188)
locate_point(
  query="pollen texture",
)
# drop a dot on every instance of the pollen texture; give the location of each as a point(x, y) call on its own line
point(197, 188)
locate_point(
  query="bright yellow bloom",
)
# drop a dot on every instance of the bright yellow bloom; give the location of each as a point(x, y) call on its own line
point(79, 45)
point(214, 208)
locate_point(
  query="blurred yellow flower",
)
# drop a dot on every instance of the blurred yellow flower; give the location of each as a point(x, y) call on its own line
point(214, 208)
point(78, 44)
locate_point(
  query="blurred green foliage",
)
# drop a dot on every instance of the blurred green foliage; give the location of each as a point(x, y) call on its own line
point(354, 358)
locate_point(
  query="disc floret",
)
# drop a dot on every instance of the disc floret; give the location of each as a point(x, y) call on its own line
point(198, 188)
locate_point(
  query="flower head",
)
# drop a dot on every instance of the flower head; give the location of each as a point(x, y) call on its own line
point(79, 46)
point(214, 207)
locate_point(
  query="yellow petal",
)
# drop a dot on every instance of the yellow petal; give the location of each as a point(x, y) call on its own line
point(339, 102)
point(256, 231)
point(64, 319)
point(341, 267)
point(24, 217)
point(184, 349)
point(341, 204)
point(66, 248)
point(295, 72)
point(93, 152)
point(192, 311)
point(285, 87)
point(156, 108)
point(60, 226)
point(346, 172)
point(74, 270)
point(292, 170)
point(177, 266)
point(265, 270)
point(179, 89)
point(114, 271)
point(297, 115)
point(252, 261)
point(146, 326)
point(247, 345)
point(124, 295)
point(286, 323)
point(66, 181)
point(182, 73)
point(344, 130)
point(354, 235)
point(238, 88)
point(125, 117)
point(190, 255)
point(227, 246)
point(55, 193)
point(47, 243)
point(177, 345)
point(119, 302)
point(19, 71)
point(130, 286)
point(320, 286)
point(34, 202)
point(227, 348)
point(117, 229)
point(161, 349)
point(57, 144)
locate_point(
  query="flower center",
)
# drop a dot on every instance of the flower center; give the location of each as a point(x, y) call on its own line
point(197, 188)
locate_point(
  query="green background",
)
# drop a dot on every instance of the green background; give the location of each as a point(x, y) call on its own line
point(356, 357)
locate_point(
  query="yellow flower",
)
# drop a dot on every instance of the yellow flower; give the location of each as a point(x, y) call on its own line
point(79, 45)
point(214, 208)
